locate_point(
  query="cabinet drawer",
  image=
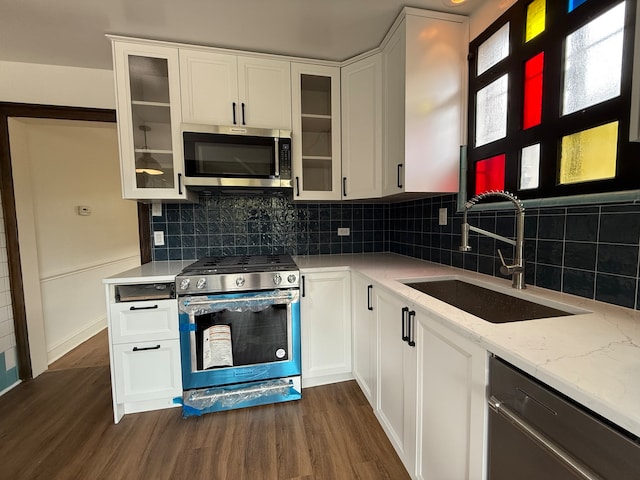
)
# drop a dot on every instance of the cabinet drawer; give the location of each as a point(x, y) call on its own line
point(144, 321)
point(147, 370)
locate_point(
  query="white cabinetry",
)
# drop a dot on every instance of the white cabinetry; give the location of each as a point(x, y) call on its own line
point(148, 100)
point(451, 417)
point(316, 131)
point(325, 323)
point(144, 354)
point(365, 335)
point(362, 128)
point(226, 89)
point(397, 375)
point(424, 63)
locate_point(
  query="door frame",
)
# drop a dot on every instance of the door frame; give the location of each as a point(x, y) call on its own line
point(8, 110)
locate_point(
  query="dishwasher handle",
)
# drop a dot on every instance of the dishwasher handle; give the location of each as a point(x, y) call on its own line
point(565, 457)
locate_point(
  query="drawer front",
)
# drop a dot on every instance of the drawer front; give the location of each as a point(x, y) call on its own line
point(147, 371)
point(144, 321)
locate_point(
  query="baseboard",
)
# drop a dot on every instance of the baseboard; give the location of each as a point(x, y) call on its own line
point(76, 339)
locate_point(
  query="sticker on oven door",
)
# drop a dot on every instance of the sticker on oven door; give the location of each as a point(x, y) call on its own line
point(281, 353)
point(216, 347)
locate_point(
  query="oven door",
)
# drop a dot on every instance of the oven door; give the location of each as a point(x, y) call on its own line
point(227, 339)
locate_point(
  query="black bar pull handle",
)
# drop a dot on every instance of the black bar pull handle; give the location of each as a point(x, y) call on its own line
point(297, 186)
point(344, 186)
point(136, 349)
point(399, 175)
point(405, 336)
point(303, 285)
point(243, 117)
point(233, 109)
point(179, 184)
point(369, 289)
point(412, 329)
point(151, 307)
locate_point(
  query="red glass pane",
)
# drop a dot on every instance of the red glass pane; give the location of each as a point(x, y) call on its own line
point(490, 174)
point(533, 70)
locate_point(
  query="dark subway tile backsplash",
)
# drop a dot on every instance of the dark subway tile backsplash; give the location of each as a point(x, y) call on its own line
point(589, 251)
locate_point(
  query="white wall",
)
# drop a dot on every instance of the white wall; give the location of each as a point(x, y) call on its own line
point(59, 165)
point(56, 85)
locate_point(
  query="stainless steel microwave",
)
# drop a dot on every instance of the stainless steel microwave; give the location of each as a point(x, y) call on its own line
point(236, 156)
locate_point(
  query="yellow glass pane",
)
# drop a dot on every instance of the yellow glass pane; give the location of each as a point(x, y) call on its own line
point(589, 155)
point(536, 13)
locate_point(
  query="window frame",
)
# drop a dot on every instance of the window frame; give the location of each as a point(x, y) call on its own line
point(559, 24)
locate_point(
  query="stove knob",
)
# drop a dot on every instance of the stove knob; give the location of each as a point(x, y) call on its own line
point(202, 282)
point(240, 282)
point(184, 284)
point(292, 278)
point(277, 279)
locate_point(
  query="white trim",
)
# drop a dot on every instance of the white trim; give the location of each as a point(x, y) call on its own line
point(86, 268)
point(75, 339)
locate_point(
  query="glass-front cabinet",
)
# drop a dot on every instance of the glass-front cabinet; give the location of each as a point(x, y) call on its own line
point(148, 106)
point(316, 132)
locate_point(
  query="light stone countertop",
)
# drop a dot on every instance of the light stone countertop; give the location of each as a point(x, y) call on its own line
point(592, 357)
point(150, 272)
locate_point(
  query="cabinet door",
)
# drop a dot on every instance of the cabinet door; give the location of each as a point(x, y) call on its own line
point(147, 370)
point(138, 321)
point(325, 324)
point(362, 128)
point(451, 403)
point(393, 57)
point(316, 132)
point(397, 375)
point(264, 90)
point(209, 87)
point(149, 118)
point(365, 334)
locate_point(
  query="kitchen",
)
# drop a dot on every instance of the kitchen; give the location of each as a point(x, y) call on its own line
point(408, 229)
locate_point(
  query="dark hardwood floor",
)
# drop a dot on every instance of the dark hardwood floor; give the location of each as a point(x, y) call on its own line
point(60, 426)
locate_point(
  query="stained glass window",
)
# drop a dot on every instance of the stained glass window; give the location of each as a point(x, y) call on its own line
point(593, 61)
point(589, 155)
point(491, 112)
point(573, 4)
point(530, 167)
point(490, 174)
point(536, 16)
point(532, 112)
point(494, 49)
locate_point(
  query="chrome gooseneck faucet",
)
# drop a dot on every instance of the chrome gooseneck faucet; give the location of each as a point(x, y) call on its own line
point(516, 270)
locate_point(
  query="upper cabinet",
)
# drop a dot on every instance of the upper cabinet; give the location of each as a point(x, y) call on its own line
point(362, 128)
point(226, 89)
point(316, 131)
point(148, 106)
point(425, 67)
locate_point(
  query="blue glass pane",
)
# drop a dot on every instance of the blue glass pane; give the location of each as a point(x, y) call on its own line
point(573, 4)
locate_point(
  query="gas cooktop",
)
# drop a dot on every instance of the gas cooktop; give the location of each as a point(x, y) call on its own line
point(241, 263)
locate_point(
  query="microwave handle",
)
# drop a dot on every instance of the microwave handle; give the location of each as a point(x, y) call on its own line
point(276, 141)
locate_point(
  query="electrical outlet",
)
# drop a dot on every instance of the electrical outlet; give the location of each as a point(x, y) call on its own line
point(442, 216)
point(344, 232)
point(158, 238)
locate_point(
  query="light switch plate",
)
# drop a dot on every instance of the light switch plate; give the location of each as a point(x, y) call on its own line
point(158, 238)
point(442, 216)
point(344, 232)
point(156, 209)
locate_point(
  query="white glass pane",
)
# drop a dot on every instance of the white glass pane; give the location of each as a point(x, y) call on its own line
point(491, 111)
point(530, 167)
point(494, 49)
point(593, 61)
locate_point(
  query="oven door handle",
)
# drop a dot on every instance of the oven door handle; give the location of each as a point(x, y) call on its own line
point(287, 297)
point(561, 454)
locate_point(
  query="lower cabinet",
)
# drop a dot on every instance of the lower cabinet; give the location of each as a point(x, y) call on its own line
point(451, 406)
point(325, 325)
point(364, 327)
point(397, 364)
point(144, 349)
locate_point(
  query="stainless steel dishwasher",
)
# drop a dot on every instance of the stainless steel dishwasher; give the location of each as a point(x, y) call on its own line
point(536, 433)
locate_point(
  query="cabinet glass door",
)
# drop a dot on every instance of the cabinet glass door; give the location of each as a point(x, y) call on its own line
point(151, 122)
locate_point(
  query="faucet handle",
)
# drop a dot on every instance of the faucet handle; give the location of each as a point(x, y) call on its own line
point(508, 269)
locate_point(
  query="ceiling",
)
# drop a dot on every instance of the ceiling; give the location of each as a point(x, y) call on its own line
point(71, 32)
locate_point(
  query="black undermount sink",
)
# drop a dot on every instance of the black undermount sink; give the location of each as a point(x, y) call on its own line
point(490, 305)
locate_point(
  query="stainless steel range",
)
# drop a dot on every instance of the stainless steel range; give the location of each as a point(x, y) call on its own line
point(239, 332)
